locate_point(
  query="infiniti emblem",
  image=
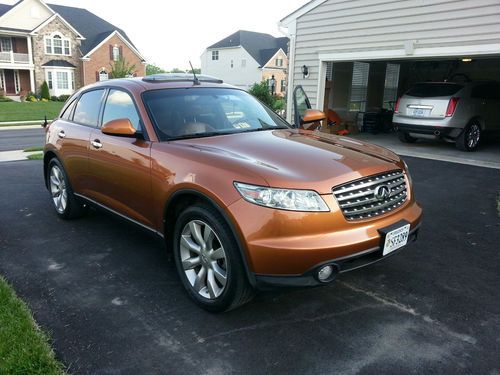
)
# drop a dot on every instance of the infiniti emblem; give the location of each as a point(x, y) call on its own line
point(382, 192)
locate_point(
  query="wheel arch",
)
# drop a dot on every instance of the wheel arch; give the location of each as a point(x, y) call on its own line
point(182, 199)
point(47, 157)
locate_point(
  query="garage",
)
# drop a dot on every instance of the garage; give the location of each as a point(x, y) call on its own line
point(357, 58)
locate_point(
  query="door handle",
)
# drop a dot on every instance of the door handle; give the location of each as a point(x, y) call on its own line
point(61, 134)
point(96, 143)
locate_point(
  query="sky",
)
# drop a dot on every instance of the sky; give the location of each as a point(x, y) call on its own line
point(170, 33)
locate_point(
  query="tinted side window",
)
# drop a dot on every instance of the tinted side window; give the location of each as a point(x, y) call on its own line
point(119, 104)
point(87, 109)
point(68, 112)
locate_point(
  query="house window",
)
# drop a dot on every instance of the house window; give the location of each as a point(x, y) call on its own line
point(391, 85)
point(359, 86)
point(57, 45)
point(116, 53)
point(279, 62)
point(283, 85)
point(62, 80)
point(215, 55)
point(243, 63)
point(49, 80)
point(73, 80)
point(5, 44)
point(103, 75)
point(232, 63)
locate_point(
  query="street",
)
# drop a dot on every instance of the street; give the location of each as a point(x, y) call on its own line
point(109, 296)
point(21, 139)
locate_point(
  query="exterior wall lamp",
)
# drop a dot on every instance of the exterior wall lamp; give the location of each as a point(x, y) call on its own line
point(305, 71)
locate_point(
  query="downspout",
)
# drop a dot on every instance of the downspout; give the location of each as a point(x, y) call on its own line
point(291, 34)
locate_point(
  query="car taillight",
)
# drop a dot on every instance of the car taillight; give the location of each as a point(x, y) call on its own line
point(396, 108)
point(452, 105)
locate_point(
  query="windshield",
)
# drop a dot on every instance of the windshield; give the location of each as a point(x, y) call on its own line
point(428, 90)
point(204, 112)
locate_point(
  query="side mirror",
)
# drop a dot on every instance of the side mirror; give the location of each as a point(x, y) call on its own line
point(312, 119)
point(121, 127)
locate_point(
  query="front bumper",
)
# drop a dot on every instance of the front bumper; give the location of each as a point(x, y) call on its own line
point(344, 264)
point(290, 244)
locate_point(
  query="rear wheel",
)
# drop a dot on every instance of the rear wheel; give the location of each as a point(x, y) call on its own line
point(66, 204)
point(208, 260)
point(470, 138)
point(405, 137)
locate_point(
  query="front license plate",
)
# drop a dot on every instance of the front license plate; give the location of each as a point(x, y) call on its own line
point(396, 238)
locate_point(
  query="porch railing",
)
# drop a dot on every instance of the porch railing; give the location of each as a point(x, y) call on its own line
point(14, 57)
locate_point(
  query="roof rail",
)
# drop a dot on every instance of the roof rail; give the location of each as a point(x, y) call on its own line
point(180, 77)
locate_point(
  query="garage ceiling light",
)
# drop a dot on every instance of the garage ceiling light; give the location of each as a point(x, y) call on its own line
point(466, 59)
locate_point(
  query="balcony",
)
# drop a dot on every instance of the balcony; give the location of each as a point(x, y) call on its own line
point(14, 58)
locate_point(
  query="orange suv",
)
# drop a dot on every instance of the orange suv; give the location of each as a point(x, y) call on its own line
point(244, 200)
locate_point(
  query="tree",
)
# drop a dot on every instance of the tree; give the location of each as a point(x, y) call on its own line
point(153, 69)
point(44, 91)
point(177, 70)
point(196, 71)
point(261, 91)
point(121, 69)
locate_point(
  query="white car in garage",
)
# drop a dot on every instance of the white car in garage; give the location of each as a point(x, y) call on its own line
point(455, 112)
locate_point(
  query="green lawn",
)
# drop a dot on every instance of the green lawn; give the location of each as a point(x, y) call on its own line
point(24, 348)
point(28, 111)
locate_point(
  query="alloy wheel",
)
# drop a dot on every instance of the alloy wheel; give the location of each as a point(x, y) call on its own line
point(58, 189)
point(203, 259)
point(473, 136)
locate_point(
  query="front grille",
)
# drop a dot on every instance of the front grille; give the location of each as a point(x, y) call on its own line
point(358, 201)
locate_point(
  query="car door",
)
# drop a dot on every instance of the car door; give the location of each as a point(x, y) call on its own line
point(300, 105)
point(120, 167)
point(70, 135)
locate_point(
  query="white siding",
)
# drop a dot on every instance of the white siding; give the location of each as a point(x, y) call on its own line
point(26, 15)
point(339, 26)
point(238, 75)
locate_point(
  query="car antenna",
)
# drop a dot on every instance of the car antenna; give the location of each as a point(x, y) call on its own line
point(196, 80)
point(45, 123)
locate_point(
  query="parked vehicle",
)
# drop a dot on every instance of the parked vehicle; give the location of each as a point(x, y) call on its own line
point(454, 112)
point(244, 200)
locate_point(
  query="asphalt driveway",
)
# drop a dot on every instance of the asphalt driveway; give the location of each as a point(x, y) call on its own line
point(109, 296)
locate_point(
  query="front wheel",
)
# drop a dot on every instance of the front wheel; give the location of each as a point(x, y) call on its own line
point(65, 203)
point(470, 138)
point(208, 260)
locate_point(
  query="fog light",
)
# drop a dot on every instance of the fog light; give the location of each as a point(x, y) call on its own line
point(325, 273)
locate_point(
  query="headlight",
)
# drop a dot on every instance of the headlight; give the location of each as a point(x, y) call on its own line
point(284, 199)
point(407, 171)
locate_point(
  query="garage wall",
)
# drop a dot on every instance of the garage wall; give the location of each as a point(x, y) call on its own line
point(355, 25)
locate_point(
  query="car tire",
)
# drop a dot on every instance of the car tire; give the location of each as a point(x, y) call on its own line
point(405, 137)
point(208, 260)
point(470, 138)
point(66, 204)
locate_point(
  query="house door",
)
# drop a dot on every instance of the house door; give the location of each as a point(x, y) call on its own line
point(10, 84)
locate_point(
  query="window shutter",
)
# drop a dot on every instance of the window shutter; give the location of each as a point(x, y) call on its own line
point(111, 52)
point(121, 51)
point(97, 76)
point(391, 84)
point(359, 84)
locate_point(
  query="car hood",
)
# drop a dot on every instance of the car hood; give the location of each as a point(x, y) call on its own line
point(298, 159)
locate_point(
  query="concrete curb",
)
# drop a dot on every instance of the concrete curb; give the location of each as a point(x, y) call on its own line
point(15, 155)
point(20, 127)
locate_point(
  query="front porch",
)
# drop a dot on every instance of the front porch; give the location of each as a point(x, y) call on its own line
point(16, 82)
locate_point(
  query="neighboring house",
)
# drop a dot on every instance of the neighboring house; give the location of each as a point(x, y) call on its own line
point(65, 46)
point(247, 57)
point(363, 54)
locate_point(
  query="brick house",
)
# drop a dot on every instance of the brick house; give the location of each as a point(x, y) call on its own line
point(66, 47)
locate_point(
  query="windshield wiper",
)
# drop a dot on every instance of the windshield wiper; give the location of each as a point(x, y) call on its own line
point(199, 135)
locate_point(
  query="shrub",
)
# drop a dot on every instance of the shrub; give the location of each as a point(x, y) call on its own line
point(261, 92)
point(44, 91)
point(54, 98)
point(63, 98)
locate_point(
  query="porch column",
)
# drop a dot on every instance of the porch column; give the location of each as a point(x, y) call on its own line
point(30, 50)
point(32, 80)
